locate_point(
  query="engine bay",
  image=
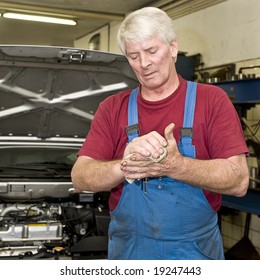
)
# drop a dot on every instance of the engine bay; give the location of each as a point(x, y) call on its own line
point(74, 229)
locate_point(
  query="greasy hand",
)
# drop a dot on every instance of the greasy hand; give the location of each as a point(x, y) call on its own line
point(137, 165)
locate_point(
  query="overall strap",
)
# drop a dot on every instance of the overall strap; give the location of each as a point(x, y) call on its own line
point(190, 102)
point(186, 131)
point(132, 128)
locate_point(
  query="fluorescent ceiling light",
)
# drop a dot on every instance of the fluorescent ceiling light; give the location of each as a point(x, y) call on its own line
point(40, 18)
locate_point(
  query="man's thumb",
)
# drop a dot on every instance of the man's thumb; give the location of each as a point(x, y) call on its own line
point(168, 132)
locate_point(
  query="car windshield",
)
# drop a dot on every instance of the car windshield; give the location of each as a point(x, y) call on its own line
point(37, 161)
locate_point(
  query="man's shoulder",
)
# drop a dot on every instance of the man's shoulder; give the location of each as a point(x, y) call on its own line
point(116, 99)
point(210, 91)
point(209, 87)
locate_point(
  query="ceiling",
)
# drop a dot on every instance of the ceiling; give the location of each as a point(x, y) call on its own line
point(89, 14)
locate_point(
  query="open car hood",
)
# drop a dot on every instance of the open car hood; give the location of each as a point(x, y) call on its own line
point(52, 92)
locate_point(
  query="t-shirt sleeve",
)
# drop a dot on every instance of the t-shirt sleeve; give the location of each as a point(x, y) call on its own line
point(98, 144)
point(225, 134)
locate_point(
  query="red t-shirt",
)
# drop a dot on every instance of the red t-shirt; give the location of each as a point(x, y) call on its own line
point(217, 128)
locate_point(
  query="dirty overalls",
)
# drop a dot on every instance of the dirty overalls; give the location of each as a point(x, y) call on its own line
point(162, 218)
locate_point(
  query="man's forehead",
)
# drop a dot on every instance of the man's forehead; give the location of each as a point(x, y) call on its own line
point(144, 44)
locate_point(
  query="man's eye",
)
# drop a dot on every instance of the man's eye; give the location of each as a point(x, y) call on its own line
point(152, 51)
point(133, 57)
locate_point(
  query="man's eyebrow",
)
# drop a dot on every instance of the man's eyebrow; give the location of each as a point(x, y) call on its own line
point(131, 53)
point(146, 49)
point(150, 48)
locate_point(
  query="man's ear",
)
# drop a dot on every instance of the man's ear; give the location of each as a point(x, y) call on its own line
point(175, 48)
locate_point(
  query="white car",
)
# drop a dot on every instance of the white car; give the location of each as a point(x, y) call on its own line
point(48, 97)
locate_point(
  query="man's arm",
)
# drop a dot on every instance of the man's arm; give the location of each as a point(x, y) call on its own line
point(226, 176)
point(93, 175)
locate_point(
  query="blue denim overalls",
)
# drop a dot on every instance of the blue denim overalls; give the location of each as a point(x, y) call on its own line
point(162, 218)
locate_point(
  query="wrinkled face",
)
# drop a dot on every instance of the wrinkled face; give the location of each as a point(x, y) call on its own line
point(152, 61)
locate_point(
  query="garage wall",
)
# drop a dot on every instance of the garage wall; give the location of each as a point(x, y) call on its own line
point(108, 41)
point(224, 33)
point(83, 43)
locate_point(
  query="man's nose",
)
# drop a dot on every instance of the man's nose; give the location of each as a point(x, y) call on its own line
point(144, 61)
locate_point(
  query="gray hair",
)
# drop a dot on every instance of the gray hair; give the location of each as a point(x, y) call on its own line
point(143, 24)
